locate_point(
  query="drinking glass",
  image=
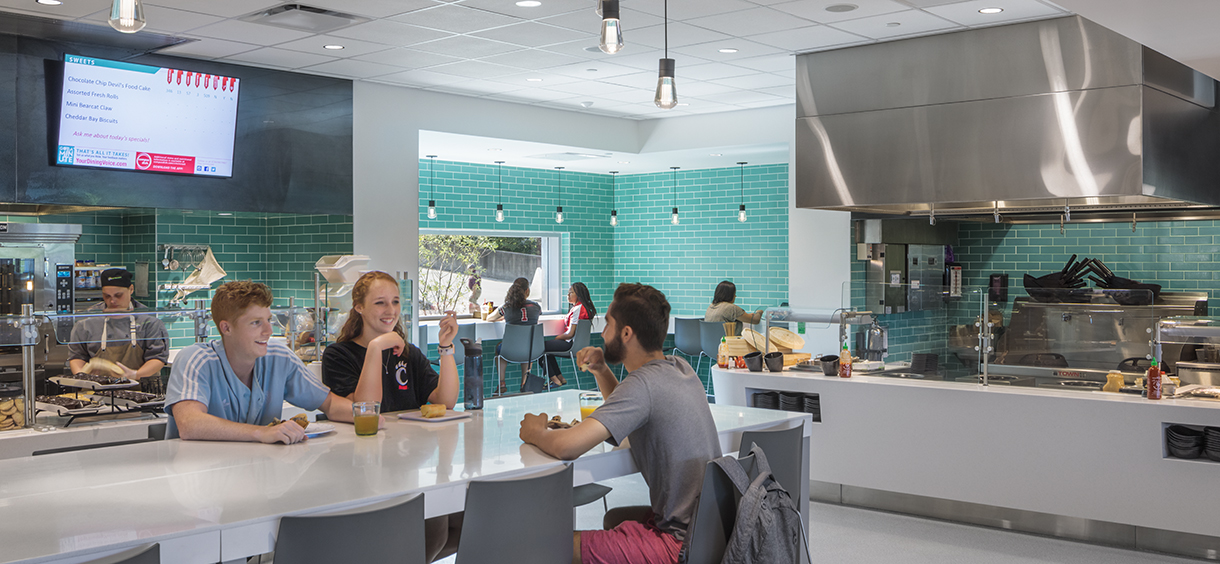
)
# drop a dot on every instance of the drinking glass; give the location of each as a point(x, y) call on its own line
point(365, 415)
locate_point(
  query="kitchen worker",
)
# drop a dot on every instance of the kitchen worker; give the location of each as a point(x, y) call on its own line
point(662, 408)
point(724, 310)
point(231, 388)
point(139, 344)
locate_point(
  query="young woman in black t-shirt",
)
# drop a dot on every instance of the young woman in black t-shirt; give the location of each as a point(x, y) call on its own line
point(372, 361)
point(517, 310)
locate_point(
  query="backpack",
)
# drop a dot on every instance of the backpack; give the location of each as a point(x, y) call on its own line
point(768, 528)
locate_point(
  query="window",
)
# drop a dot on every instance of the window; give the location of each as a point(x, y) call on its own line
point(461, 270)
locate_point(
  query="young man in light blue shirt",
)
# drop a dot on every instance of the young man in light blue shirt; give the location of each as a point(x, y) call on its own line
point(230, 389)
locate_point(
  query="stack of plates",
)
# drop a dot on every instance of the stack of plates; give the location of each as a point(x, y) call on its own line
point(813, 406)
point(1211, 443)
point(766, 400)
point(791, 401)
point(1185, 442)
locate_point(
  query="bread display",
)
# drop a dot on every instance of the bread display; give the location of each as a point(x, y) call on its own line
point(101, 379)
point(66, 403)
point(137, 397)
point(12, 414)
point(432, 410)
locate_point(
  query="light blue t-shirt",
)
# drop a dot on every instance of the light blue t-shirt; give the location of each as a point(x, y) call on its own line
point(201, 372)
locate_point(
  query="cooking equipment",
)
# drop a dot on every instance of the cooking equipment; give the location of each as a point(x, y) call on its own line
point(1202, 373)
point(876, 342)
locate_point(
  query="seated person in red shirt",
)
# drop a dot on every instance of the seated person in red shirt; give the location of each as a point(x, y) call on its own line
point(662, 408)
point(582, 308)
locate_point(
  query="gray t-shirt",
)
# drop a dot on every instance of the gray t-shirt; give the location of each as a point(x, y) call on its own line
point(723, 312)
point(662, 408)
point(150, 334)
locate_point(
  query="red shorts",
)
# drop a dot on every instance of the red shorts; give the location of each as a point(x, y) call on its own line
point(632, 542)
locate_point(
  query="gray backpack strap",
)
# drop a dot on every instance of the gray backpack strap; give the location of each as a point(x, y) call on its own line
point(733, 470)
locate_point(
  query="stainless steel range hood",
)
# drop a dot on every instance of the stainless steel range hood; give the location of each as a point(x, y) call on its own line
point(1026, 118)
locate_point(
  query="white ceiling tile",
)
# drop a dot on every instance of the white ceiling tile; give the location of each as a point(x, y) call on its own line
point(926, 3)
point(455, 18)
point(753, 81)
point(594, 70)
point(682, 9)
point(467, 47)
point(910, 22)
point(421, 78)
point(700, 89)
point(478, 87)
point(680, 34)
point(749, 22)
point(637, 80)
point(548, 79)
point(531, 95)
point(584, 49)
point(475, 69)
point(815, 10)
point(786, 92)
point(246, 32)
point(165, 19)
point(790, 74)
point(709, 71)
point(807, 38)
point(532, 34)
point(967, 13)
point(67, 10)
point(316, 44)
point(771, 63)
point(373, 8)
point(649, 59)
point(746, 96)
point(390, 33)
point(222, 8)
point(409, 58)
point(532, 59)
point(548, 8)
point(711, 51)
point(588, 21)
point(208, 48)
point(766, 103)
point(593, 88)
point(701, 106)
point(352, 68)
point(275, 57)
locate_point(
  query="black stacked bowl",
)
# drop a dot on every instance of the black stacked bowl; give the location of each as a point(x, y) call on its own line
point(791, 401)
point(1211, 443)
point(766, 400)
point(1184, 442)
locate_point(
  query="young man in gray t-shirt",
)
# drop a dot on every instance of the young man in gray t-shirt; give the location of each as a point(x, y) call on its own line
point(662, 408)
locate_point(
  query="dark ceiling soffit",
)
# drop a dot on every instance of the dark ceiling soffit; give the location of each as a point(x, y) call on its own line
point(60, 31)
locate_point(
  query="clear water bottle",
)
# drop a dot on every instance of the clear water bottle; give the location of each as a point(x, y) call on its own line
point(473, 382)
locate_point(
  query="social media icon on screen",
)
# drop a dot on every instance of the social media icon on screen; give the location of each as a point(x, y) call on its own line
point(213, 169)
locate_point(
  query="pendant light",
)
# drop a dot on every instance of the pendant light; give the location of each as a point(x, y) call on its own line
point(500, 184)
point(674, 195)
point(431, 186)
point(613, 190)
point(559, 207)
point(127, 16)
point(741, 210)
point(667, 93)
point(612, 31)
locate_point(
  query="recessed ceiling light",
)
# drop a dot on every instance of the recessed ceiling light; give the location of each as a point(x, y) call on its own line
point(841, 8)
point(728, 50)
point(224, 213)
point(533, 80)
point(590, 70)
point(716, 155)
point(893, 24)
point(332, 47)
point(49, 2)
point(991, 10)
point(529, 3)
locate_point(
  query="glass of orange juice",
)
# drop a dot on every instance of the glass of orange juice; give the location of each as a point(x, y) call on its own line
point(589, 401)
point(365, 417)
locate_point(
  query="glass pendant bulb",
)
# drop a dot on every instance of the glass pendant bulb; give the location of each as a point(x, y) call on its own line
point(667, 92)
point(559, 214)
point(612, 29)
point(674, 219)
point(431, 209)
point(613, 218)
point(500, 212)
point(741, 213)
point(127, 16)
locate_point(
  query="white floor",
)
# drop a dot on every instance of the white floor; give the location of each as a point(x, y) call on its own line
point(847, 535)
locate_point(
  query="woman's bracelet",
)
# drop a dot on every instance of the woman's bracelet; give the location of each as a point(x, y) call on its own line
point(445, 350)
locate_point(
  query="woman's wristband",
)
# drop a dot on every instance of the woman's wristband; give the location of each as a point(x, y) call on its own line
point(445, 350)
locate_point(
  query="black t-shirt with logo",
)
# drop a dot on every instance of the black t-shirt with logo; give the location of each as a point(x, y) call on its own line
point(525, 315)
point(406, 380)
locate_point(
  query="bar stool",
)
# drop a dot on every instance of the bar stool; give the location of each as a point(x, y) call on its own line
point(388, 531)
point(783, 450)
point(522, 344)
point(710, 333)
point(580, 340)
point(149, 554)
point(686, 338)
point(543, 535)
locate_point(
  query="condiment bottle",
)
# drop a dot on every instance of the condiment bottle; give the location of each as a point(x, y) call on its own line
point(1154, 382)
point(845, 362)
point(1114, 382)
point(722, 355)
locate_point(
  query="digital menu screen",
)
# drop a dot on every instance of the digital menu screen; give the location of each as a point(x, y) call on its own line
point(136, 117)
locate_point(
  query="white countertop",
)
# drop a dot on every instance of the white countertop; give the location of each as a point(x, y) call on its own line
point(19, 443)
point(212, 501)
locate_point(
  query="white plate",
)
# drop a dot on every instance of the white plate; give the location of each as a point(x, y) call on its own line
point(316, 429)
point(449, 415)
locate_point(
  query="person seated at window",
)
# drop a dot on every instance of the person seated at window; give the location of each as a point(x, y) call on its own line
point(138, 344)
point(582, 308)
point(724, 310)
point(662, 408)
point(475, 284)
point(372, 361)
point(230, 388)
point(517, 310)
